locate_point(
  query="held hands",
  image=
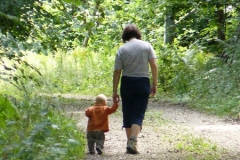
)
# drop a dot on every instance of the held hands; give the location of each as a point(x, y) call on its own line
point(115, 98)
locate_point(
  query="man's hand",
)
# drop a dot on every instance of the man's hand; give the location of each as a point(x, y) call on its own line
point(115, 98)
point(153, 91)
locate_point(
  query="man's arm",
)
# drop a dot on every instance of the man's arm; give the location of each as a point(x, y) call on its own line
point(154, 70)
point(116, 78)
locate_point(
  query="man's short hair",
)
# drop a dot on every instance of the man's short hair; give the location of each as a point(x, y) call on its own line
point(131, 31)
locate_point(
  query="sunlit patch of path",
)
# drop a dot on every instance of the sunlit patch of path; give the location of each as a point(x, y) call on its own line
point(222, 131)
point(226, 135)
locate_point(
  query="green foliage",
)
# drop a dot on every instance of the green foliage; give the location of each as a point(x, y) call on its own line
point(216, 92)
point(211, 88)
point(75, 2)
point(197, 146)
point(201, 79)
point(81, 71)
point(19, 73)
point(15, 17)
point(178, 68)
point(8, 112)
point(43, 133)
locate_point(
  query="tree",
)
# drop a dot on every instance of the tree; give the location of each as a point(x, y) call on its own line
point(221, 20)
point(90, 27)
point(169, 27)
point(14, 17)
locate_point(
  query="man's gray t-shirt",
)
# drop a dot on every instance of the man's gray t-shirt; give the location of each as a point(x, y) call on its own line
point(133, 58)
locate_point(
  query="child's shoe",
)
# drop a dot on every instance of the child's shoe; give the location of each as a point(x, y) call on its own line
point(91, 153)
point(99, 151)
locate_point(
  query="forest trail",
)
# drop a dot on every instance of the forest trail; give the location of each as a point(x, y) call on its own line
point(166, 130)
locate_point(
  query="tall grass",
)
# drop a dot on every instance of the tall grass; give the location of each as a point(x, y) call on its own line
point(80, 71)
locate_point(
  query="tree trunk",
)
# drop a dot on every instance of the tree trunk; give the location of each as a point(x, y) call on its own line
point(89, 31)
point(221, 21)
point(86, 39)
point(169, 29)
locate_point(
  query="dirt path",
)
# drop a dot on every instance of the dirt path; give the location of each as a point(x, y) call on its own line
point(162, 136)
point(224, 132)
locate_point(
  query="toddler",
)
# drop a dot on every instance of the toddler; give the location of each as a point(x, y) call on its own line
point(98, 123)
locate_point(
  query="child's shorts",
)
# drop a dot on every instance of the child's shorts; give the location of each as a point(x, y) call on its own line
point(134, 92)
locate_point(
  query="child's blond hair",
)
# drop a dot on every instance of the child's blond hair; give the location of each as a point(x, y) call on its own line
point(101, 99)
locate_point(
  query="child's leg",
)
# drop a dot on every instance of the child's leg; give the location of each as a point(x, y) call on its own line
point(100, 142)
point(91, 142)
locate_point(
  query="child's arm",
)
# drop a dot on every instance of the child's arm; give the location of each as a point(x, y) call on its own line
point(113, 108)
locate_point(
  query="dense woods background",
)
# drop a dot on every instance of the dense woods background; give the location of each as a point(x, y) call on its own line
point(68, 46)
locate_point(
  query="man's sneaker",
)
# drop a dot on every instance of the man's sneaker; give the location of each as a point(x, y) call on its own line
point(99, 151)
point(132, 146)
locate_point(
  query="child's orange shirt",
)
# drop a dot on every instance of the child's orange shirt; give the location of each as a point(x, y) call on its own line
point(98, 117)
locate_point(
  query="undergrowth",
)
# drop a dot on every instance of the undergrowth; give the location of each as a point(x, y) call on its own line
point(38, 129)
point(200, 80)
